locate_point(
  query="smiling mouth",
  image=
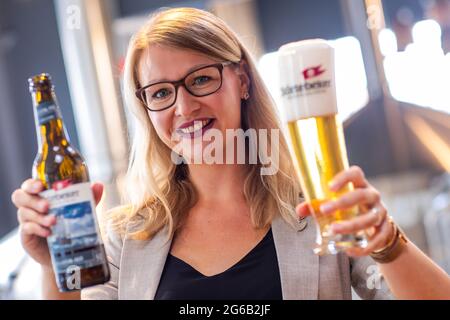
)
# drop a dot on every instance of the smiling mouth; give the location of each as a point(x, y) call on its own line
point(196, 127)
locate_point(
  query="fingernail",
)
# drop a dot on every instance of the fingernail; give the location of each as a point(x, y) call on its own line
point(43, 205)
point(50, 220)
point(336, 228)
point(36, 186)
point(332, 185)
point(326, 207)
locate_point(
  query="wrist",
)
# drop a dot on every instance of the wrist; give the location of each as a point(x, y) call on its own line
point(393, 248)
point(48, 269)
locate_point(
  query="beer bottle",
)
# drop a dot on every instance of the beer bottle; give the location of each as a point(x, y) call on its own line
point(75, 245)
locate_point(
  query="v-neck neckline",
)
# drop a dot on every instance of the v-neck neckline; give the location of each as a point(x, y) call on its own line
point(230, 268)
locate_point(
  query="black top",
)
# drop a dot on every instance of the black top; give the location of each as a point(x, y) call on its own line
point(255, 276)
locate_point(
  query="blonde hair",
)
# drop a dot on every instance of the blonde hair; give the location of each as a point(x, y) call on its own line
point(159, 193)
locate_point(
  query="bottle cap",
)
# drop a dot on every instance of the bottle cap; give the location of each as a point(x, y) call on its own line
point(41, 81)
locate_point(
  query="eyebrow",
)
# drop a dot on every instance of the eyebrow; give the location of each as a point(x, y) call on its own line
point(194, 68)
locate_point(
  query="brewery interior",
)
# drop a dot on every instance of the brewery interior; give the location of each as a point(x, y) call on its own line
point(392, 75)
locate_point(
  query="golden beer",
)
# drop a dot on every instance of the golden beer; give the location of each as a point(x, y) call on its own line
point(315, 135)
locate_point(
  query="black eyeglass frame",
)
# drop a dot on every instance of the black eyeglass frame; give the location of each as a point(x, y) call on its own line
point(141, 91)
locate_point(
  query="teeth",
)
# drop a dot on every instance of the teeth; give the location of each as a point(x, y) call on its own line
point(197, 126)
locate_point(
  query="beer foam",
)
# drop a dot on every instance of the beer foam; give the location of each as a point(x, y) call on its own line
point(307, 79)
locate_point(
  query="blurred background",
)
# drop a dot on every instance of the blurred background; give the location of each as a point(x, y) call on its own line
point(393, 83)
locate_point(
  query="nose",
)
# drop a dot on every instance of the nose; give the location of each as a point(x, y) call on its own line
point(185, 104)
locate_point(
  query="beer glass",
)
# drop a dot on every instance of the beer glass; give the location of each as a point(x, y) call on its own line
point(315, 135)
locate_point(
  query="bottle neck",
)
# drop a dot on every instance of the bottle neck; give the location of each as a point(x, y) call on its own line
point(49, 124)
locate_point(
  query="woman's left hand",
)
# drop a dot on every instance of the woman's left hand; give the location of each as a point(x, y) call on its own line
point(373, 220)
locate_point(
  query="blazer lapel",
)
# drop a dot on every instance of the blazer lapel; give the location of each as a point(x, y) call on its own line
point(299, 266)
point(142, 265)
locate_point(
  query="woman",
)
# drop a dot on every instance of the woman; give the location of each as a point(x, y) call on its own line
point(222, 231)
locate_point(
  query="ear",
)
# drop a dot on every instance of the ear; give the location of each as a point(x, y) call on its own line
point(244, 77)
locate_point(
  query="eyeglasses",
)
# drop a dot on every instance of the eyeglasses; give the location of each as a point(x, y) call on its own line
point(201, 82)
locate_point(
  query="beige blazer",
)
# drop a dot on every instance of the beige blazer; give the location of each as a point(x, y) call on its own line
point(136, 267)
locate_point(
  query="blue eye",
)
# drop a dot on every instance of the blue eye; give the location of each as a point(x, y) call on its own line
point(201, 80)
point(161, 94)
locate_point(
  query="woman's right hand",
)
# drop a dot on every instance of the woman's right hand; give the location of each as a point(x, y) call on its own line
point(35, 224)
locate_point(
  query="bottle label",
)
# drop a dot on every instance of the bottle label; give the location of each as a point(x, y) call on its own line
point(75, 241)
point(47, 111)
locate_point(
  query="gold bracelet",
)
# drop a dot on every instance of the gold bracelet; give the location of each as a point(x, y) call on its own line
point(393, 249)
point(392, 240)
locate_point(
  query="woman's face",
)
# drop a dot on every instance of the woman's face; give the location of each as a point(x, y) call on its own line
point(220, 110)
